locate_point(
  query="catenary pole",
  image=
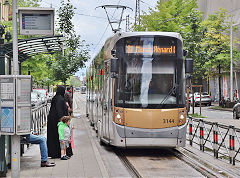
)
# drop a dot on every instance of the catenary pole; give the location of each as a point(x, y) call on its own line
point(15, 141)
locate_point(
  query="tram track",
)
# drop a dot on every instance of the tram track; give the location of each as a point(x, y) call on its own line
point(157, 162)
point(196, 164)
point(203, 166)
point(127, 163)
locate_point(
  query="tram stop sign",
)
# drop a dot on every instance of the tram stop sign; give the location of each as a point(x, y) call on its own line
point(36, 21)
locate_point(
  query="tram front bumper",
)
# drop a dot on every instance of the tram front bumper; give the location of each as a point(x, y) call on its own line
point(166, 137)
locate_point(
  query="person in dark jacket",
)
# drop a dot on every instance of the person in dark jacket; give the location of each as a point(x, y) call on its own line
point(57, 111)
point(68, 97)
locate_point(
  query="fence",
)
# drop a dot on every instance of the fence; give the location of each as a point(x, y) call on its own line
point(220, 140)
point(39, 117)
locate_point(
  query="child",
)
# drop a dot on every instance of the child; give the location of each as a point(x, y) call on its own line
point(64, 135)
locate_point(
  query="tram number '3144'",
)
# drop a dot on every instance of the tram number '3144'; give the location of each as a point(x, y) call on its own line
point(166, 121)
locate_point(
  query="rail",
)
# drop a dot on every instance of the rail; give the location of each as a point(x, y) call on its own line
point(220, 140)
point(127, 163)
point(39, 117)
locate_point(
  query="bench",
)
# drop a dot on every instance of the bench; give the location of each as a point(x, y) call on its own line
point(23, 142)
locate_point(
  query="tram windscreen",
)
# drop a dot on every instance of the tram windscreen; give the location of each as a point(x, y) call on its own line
point(148, 75)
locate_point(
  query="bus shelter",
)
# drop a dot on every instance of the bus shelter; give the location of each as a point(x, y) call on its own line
point(26, 49)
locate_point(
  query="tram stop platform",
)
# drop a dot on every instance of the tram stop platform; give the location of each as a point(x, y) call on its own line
point(86, 161)
point(89, 159)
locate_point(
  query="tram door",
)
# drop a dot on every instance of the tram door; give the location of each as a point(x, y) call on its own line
point(106, 102)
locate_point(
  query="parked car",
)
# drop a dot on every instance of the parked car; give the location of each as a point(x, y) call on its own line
point(35, 99)
point(49, 97)
point(43, 94)
point(205, 99)
point(77, 89)
point(236, 111)
point(83, 89)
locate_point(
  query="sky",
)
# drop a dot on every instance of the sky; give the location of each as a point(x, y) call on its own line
point(91, 23)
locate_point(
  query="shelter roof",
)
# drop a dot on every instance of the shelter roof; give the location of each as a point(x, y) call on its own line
point(34, 46)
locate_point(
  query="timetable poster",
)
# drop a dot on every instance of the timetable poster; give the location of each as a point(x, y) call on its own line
point(7, 119)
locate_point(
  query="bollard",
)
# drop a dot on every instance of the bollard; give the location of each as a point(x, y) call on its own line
point(201, 125)
point(190, 131)
point(231, 144)
point(215, 139)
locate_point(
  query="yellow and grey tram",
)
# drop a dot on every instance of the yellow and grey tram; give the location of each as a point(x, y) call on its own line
point(137, 99)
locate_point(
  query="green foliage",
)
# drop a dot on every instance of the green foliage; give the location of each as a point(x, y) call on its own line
point(27, 3)
point(76, 53)
point(74, 81)
point(167, 16)
point(217, 43)
point(197, 115)
point(39, 69)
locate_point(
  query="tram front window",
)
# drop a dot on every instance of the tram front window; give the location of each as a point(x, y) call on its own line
point(150, 86)
point(149, 73)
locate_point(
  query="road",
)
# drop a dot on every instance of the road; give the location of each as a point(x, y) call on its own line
point(222, 117)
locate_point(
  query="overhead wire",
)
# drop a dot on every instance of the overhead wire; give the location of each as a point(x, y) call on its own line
point(105, 29)
point(146, 3)
point(81, 14)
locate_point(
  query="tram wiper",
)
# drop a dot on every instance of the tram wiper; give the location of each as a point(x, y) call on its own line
point(167, 96)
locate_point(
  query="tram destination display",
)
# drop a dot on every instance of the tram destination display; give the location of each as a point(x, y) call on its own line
point(159, 46)
point(32, 21)
point(36, 21)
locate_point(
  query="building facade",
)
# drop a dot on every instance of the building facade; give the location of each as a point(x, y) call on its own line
point(5, 11)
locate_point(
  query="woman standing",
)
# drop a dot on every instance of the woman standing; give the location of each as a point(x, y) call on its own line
point(57, 111)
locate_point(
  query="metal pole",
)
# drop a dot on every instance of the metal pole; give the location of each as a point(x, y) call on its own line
point(200, 101)
point(15, 145)
point(15, 38)
point(231, 65)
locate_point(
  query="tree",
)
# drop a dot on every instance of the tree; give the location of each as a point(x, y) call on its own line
point(39, 67)
point(167, 16)
point(216, 43)
point(76, 53)
point(74, 81)
point(29, 3)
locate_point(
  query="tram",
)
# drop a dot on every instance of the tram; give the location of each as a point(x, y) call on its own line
point(137, 98)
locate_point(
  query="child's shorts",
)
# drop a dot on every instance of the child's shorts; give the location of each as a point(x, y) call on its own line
point(64, 145)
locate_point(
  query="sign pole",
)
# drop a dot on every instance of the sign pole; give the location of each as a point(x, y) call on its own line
point(15, 141)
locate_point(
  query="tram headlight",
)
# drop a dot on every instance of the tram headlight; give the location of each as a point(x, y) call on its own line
point(119, 119)
point(181, 118)
point(118, 116)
